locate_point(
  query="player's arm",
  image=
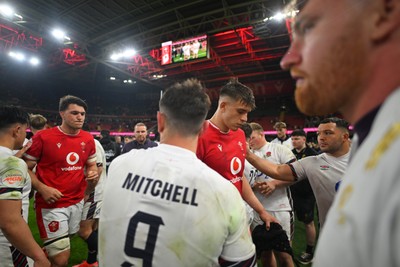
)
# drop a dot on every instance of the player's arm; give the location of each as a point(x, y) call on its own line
point(17, 231)
point(92, 176)
point(280, 172)
point(252, 200)
point(267, 188)
point(49, 194)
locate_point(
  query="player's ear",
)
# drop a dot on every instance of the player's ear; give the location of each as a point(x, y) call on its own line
point(386, 19)
point(160, 121)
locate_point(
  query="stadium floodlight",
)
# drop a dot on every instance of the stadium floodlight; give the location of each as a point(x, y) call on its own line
point(17, 55)
point(112, 78)
point(129, 53)
point(59, 34)
point(279, 16)
point(115, 56)
point(125, 81)
point(34, 61)
point(6, 10)
point(129, 81)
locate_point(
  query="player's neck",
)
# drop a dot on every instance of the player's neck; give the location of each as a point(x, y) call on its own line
point(6, 142)
point(68, 130)
point(189, 143)
point(301, 148)
point(218, 122)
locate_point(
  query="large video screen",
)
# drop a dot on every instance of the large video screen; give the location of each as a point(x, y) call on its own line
point(184, 50)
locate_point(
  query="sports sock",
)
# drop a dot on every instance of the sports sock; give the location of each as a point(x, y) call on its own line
point(92, 247)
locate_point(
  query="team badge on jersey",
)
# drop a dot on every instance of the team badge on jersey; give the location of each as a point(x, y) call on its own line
point(241, 145)
point(324, 167)
point(83, 146)
point(219, 147)
point(58, 145)
point(54, 226)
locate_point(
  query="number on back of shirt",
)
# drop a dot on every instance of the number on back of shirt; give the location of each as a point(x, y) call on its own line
point(146, 253)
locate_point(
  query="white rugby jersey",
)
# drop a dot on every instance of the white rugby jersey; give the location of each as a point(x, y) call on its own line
point(363, 225)
point(100, 159)
point(166, 207)
point(287, 143)
point(280, 199)
point(15, 182)
point(323, 172)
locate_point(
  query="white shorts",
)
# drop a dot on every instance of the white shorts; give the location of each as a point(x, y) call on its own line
point(59, 222)
point(91, 210)
point(285, 219)
point(10, 255)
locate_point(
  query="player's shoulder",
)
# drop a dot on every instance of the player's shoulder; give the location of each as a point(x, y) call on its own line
point(45, 133)
point(85, 134)
point(13, 163)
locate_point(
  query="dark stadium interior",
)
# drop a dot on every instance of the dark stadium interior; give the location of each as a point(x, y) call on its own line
point(241, 44)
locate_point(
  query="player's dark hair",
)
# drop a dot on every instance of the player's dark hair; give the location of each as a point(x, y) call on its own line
point(238, 91)
point(246, 129)
point(185, 105)
point(299, 132)
point(10, 115)
point(67, 100)
point(340, 123)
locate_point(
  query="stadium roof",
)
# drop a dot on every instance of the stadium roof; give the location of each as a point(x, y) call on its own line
point(241, 43)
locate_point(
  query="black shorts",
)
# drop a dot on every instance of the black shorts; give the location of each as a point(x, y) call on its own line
point(304, 209)
point(303, 201)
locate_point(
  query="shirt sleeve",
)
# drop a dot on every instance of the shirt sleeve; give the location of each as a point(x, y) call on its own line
point(34, 153)
point(286, 155)
point(12, 178)
point(299, 167)
point(238, 245)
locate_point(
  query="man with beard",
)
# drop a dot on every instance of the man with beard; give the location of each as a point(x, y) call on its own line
point(323, 171)
point(345, 57)
point(141, 141)
point(60, 155)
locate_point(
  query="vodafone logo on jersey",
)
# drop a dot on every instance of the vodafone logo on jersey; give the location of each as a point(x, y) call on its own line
point(72, 158)
point(236, 165)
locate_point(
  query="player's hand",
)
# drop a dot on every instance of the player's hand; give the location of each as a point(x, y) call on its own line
point(42, 262)
point(92, 176)
point(265, 188)
point(50, 195)
point(268, 219)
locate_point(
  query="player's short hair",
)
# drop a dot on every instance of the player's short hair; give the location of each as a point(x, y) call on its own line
point(239, 92)
point(140, 124)
point(246, 127)
point(67, 100)
point(37, 121)
point(340, 123)
point(10, 115)
point(299, 132)
point(185, 105)
point(256, 127)
point(279, 125)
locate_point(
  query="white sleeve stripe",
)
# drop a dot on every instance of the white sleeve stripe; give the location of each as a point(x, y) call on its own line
point(29, 157)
